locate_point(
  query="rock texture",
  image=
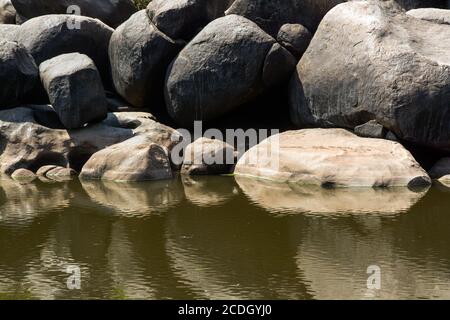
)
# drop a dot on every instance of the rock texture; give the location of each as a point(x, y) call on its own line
point(295, 38)
point(223, 67)
point(183, 19)
point(49, 36)
point(9, 32)
point(137, 159)
point(208, 157)
point(7, 12)
point(370, 61)
point(75, 89)
point(371, 129)
point(26, 143)
point(139, 55)
point(111, 12)
point(18, 73)
point(332, 158)
point(272, 14)
point(435, 15)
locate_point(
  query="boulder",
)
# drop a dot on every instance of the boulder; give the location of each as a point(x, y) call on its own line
point(27, 143)
point(136, 159)
point(295, 38)
point(207, 156)
point(42, 171)
point(371, 129)
point(271, 15)
point(75, 89)
point(332, 158)
point(111, 12)
point(440, 169)
point(49, 36)
point(9, 32)
point(223, 67)
point(7, 12)
point(61, 173)
point(18, 73)
point(435, 15)
point(370, 61)
point(23, 175)
point(139, 55)
point(183, 19)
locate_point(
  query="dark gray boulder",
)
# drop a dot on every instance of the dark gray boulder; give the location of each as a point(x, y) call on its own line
point(270, 15)
point(7, 12)
point(75, 90)
point(371, 129)
point(183, 19)
point(48, 36)
point(18, 73)
point(370, 61)
point(111, 12)
point(223, 67)
point(295, 38)
point(139, 55)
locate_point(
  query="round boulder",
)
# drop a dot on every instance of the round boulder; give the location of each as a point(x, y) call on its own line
point(49, 36)
point(223, 67)
point(139, 55)
point(18, 73)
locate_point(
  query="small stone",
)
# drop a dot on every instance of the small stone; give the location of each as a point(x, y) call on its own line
point(371, 129)
point(23, 175)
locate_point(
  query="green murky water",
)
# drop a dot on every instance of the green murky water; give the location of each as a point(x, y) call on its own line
point(218, 237)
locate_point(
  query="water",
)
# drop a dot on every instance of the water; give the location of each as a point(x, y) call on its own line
point(221, 238)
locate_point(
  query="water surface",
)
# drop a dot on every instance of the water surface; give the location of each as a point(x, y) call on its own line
point(221, 238)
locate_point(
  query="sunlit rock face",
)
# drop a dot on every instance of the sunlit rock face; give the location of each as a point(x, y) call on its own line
point(405, 87)
point(332, 158)
point(284, 198)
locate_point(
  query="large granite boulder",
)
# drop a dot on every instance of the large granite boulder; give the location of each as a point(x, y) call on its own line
point(435, 15)
point(111, 12)
point(270, 15)
point(136, 159)
point(7, 12)
point(332, 158)
point(75, 89)
point(139, 55)
point(18, 73)
point(52, 35)
point(28, 141)
point(370, 61)
point(228, 63)
point(183, 19)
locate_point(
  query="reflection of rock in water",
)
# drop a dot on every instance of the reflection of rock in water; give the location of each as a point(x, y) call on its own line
point(206, 191)
point(284, 198)
point(135, 198)
point(411, 250)
point(21, 203)
point(233, 251)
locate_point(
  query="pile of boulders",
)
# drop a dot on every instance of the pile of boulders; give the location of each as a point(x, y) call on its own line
point(95, 87)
